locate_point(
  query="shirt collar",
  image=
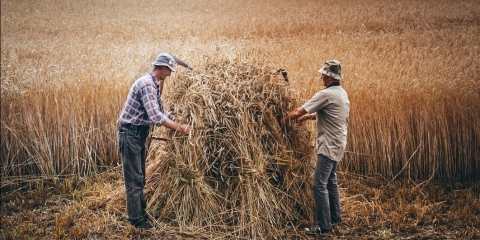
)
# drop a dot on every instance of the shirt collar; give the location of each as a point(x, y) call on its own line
point(154, 80)
point(334, 84)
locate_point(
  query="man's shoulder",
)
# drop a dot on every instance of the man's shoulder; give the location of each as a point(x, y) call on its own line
point(144, 81)
point(326, 91)
point(333, 90)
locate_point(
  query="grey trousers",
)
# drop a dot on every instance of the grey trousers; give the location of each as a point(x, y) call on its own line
point(325, 192)
point(132, 148)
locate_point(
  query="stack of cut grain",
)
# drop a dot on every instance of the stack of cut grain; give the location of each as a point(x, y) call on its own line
point(239, 173)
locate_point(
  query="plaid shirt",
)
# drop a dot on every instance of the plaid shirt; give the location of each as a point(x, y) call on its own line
point(143, 105)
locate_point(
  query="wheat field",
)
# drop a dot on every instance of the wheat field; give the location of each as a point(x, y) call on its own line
point(412, 72)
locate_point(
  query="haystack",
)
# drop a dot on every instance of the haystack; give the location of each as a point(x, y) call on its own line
point(239, 173)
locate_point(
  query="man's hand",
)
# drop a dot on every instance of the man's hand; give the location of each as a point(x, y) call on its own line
point(283, 121)
point(185, 129)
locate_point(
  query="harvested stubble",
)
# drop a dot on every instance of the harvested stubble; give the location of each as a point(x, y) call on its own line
point(239, 173)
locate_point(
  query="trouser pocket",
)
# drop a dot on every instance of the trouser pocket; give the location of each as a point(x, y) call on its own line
point(120, 139)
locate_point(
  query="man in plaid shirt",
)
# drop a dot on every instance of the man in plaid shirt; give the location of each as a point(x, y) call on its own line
point(143, 108)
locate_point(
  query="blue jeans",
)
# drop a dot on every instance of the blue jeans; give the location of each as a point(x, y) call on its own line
point(132, 148)
point(325, 192)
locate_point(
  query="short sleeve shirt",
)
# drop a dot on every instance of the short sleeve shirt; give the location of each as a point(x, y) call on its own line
point(332, 108)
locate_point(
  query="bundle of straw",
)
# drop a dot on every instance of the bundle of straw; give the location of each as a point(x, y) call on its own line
point(239, 173)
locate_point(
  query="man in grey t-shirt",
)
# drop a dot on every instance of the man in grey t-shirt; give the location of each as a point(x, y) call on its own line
point(330, 108)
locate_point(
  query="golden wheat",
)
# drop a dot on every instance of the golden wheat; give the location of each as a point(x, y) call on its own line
point(412, 72)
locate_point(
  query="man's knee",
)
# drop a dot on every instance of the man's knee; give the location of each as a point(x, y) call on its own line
point(319, 187)
point(140, 182)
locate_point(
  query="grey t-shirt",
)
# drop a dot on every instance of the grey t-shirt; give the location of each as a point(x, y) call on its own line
point(333, 108)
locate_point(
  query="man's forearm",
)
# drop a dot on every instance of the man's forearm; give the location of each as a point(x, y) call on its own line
point(293, 115)
point(171, 124)
point(311, 116)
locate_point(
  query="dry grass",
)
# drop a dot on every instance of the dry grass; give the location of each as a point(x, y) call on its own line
point(372, 209)
point(412, 74)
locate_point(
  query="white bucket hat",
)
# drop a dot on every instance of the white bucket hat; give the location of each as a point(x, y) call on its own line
point(164, 59)
point(332, 68)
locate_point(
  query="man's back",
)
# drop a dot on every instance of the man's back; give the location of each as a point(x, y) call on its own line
point(332, 108)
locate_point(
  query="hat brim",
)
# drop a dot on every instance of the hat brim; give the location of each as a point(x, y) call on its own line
point(330, 74)
point(163, 64)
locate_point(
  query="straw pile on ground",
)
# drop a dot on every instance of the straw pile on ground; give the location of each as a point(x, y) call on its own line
point(239, 174)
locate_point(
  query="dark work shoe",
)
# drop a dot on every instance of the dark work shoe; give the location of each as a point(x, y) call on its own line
point(316, 230)
point(336, 220)
point(143, 224)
